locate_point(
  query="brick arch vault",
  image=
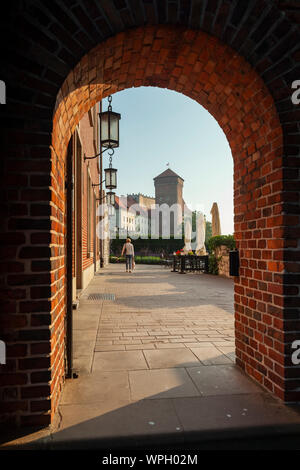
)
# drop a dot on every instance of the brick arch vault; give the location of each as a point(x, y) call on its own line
point(201, 67)
point(266, 197)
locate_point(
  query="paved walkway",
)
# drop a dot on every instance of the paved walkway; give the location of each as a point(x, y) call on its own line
point(158, 319)
point(155, 360)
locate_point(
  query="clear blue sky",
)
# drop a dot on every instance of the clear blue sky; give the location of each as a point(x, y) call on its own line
point(160, 126)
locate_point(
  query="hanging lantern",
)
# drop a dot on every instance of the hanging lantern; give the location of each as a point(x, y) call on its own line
point(110, 198)
point(110, 210)
point(110, 178)
point(109, 127)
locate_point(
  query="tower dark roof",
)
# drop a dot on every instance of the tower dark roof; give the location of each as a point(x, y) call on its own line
point(168, 172)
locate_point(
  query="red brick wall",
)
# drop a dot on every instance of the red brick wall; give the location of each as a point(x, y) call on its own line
point(90, 176)
point(266, 171)
point(201, 67)
point(87, 136)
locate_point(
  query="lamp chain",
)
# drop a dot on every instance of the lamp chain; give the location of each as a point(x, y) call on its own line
point(109, 101)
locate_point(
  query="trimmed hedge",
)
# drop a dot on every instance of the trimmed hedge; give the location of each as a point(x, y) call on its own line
point(138, 259)
point(212, 244)
point(226, 240)
point(148, 245)
point(167, 246)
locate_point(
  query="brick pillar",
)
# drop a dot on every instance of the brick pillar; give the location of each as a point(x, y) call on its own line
point(266, 293)
point(26, 276)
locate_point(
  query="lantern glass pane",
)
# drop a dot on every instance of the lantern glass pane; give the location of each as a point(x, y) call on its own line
point(111, 211)
point(114, 129)
point(110, 178)
point(104, 129)
point(114, 178)
point(109, 132)
point(110, 198)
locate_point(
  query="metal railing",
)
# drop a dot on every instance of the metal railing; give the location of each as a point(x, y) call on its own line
point(190, 263)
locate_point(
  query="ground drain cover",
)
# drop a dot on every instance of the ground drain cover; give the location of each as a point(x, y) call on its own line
point(101, 297)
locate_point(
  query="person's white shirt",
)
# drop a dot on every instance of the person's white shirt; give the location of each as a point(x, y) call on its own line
point(128, 249)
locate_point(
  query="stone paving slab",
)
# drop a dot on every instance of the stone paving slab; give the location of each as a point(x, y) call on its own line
point(98, 387)
point(234, 411)
point(119, 360)
point(222, 380)
point(161, 359)
point(161, 383)
point(210, 355)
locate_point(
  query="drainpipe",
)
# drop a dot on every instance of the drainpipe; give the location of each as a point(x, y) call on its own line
point(101, 187)
point(69, 260)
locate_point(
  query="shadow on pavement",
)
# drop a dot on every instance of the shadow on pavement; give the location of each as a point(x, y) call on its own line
point(253, 420)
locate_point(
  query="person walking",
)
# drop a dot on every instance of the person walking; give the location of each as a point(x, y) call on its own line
point(128, 249)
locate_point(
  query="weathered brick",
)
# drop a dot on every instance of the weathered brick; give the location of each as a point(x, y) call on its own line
point(30, 252)
point(34, 363)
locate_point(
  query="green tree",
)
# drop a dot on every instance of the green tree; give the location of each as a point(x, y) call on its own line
point(208, 228)
point(208, 231)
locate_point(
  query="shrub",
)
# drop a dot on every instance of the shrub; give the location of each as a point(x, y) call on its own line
point(226, 240)
point(148, 260)
point(213, 264)
point(148, 246)
point(116, 259)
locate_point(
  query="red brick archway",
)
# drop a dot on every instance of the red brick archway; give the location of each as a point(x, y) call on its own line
point(204, 69)
point(213, 74)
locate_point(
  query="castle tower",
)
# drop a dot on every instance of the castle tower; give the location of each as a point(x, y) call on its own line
point(168, 190)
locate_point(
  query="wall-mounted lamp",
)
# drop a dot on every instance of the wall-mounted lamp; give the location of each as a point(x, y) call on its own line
point(109, 127)
point(109, 130)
